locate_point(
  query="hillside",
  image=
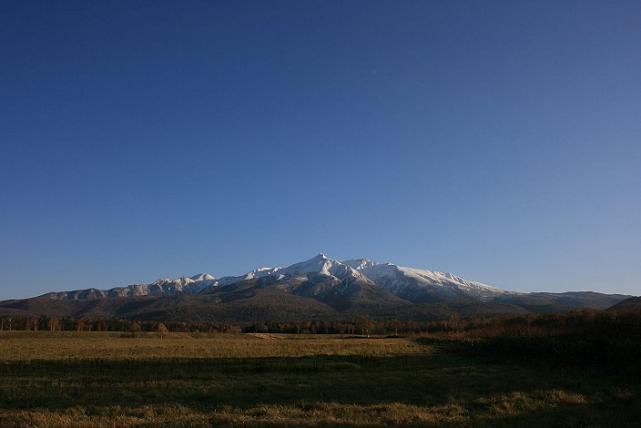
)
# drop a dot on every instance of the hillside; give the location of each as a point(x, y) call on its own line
point(632, 303)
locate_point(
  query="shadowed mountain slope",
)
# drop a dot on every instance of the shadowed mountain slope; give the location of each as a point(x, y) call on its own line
point(630, 304)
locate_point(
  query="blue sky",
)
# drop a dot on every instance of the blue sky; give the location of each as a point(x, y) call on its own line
point(497, 140)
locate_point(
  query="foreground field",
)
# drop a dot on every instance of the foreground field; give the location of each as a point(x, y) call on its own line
point(102, 379)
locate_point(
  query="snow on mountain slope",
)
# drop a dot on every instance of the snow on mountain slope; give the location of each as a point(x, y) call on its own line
point(398, 278)
point(255, 274)
point(262, 272)
point(322, 265)
point(160, 287)
point(359, 264)
point(203, 277)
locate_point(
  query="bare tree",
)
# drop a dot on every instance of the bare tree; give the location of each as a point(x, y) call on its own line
point(54, 324)
point(134, 328)
point(162, 330)
point(365, 324)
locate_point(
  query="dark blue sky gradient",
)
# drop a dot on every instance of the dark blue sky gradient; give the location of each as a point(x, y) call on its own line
point(497, 140)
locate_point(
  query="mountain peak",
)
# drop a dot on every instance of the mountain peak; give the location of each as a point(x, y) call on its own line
point(203, 277)
point(317, 264)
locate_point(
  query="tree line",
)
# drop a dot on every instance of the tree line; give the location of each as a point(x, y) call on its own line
point(44, 323)
point(592, 322)
point(360, 326)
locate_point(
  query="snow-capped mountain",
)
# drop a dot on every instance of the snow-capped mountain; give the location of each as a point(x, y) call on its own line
point(317, 288)
point(411, 283)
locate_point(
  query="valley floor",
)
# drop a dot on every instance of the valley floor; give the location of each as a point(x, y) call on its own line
point(104, 379)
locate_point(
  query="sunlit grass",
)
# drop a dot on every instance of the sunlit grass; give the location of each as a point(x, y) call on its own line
point(24, 346)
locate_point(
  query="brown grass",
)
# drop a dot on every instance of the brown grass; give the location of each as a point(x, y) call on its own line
point(105, 380)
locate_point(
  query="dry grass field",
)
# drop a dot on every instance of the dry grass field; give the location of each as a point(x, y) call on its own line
point(104, 379)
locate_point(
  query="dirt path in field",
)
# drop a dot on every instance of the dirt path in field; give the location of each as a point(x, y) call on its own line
point(266, 336)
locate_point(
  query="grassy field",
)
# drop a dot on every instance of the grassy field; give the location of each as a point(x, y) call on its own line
point(103, 379)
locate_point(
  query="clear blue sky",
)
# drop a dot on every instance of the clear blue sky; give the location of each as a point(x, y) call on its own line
point(497, 140)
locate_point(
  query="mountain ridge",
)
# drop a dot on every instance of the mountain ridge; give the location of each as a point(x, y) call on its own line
point(320, 287)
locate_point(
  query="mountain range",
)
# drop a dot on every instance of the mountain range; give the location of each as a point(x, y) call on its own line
point(318, 288)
